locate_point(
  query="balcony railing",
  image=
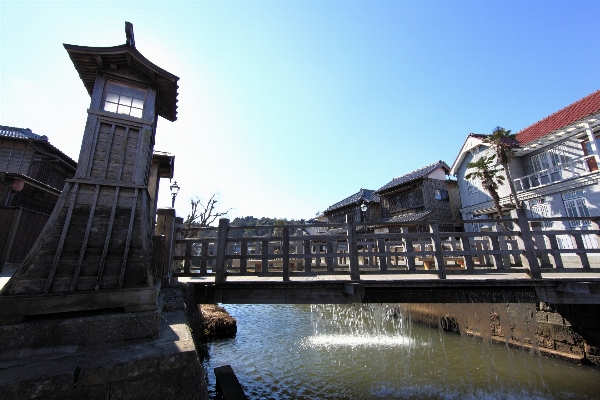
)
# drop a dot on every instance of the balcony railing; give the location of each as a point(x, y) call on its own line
point(558, 173)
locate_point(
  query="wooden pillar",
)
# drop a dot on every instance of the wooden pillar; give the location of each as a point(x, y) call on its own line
point(286, 253)
point(382, 258)
point(353, 250)
point(165, 225)
point(530, 256)
point(221, 250)
point(408, 247)
point(437, 248)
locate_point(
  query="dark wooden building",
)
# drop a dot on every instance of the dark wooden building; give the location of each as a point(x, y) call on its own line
point(362, 206)
point(32, 176)
point(420, 195)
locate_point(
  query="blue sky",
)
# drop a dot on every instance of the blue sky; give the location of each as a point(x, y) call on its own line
point(287, 107)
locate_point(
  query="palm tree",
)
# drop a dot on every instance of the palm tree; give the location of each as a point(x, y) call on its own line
point(487, 171)
point(503, 142)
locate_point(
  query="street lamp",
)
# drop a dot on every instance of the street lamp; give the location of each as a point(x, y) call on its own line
point(363, 209)
point(174, 190)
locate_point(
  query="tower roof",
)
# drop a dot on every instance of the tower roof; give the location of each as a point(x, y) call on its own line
point(89, 61)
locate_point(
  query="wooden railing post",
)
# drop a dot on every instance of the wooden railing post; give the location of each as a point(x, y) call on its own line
point(286, 253)
point(530, 256)
point(382, 259)
point(408, 247)
point(165, 225)
point(299, 247)
point(308, 258)
point(221, 250)
point(439, 253)
point(585, 262)
point(500, 261)
point(466, 245)
point(353, 250)
point(244, 259)
point(264, 252)
point(558, 262)
point(330, 259)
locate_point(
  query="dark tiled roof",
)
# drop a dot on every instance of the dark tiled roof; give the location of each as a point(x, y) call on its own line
point(410, 217)
point(20, 133)
point(366, 195)
point(416, 174)
point(572, 113)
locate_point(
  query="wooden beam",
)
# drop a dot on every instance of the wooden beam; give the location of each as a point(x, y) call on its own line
point(128, 241)
point(85, 239)
point(61, 242)
point(99, 61)
point(107, 239)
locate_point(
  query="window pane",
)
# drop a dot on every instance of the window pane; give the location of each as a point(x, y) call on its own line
point(544, 160)
point(124, 100)
point(124, 110)
point(136, 112)
point(125, 91)
point(535, 162)
point(114, 88)
point(137, 103)
point(110, 107)
point(112, 97)
point(139, 94)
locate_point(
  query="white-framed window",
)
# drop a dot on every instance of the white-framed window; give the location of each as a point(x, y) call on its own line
point(476, 226)
point(550, 158)
point(540, 208)
point(124, 99)
point(576, 206)
point(472, 186)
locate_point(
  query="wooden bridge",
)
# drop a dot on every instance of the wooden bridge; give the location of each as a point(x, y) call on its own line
point(516, 260)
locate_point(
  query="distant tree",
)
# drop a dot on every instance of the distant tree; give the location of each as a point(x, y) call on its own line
point(278, 231)
point(503, 142)
point(486, 170)
point(203, 214)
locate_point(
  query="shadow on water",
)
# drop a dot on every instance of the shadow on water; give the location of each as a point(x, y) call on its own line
point(377, 352)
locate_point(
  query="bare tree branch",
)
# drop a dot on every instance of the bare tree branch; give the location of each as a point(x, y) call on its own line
point(203, 214)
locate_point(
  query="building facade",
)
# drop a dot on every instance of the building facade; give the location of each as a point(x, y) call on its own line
point(32, 176)
point(555, 171)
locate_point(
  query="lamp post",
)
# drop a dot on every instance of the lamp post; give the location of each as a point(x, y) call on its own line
point(174, 190)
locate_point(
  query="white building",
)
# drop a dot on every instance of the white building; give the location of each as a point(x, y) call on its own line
point(555, 171)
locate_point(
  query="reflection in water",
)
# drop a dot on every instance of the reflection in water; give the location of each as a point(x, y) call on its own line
point(375, 352)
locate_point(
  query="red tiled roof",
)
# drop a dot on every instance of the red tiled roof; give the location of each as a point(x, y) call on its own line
point(574, 112)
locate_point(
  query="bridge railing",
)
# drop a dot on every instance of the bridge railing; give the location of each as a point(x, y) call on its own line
point(517, 245)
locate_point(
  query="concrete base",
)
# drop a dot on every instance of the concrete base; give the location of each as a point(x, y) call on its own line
point(166, 367)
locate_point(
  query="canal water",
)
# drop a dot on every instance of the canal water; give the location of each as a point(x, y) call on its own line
point(374, 352)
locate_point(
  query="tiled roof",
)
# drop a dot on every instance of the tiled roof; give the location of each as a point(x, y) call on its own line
point(366, 195)
point(416, 174)
point(20, 133)
point(410, 217)
point(572, 113)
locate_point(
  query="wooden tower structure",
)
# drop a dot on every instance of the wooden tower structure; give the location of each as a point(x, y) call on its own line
point(95, 250)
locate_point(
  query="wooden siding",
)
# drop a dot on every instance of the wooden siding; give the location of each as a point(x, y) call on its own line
point(114, 156)
point(15, 156)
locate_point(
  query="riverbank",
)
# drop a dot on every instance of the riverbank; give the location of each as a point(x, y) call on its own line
point(570, 333)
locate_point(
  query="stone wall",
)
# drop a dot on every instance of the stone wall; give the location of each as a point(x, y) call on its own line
point(570, 332)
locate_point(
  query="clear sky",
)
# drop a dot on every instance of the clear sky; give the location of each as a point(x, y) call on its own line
point(286, 107)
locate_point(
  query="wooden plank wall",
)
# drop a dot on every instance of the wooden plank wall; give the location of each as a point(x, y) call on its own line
point(15, 156)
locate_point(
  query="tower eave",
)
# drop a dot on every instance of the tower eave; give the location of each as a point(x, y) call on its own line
point(88, 61)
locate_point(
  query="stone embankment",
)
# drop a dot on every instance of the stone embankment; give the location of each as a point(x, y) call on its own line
point(568, 332)
point(112, 354)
